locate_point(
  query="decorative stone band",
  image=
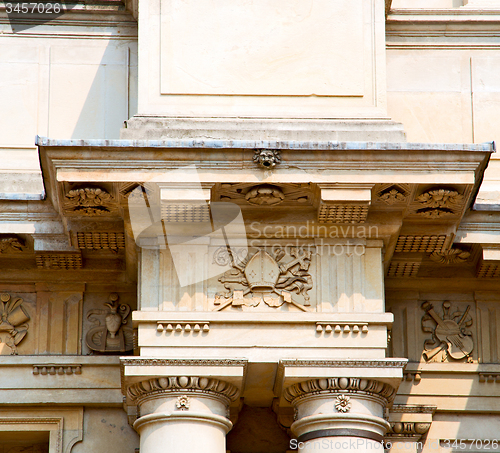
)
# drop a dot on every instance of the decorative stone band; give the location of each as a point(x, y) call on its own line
point(183, 384)
point(341, 432)
point(408, 429)
point(329, 385)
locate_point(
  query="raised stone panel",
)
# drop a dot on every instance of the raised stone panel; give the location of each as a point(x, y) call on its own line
point(313, 59)
point(432, 336)
point(349, 279)
point(333, 276)
point(287, 48)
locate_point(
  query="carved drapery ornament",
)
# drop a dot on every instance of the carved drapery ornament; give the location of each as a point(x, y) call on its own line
point(264, 277)
point(449, 334)
point(112, 335)
point(14, 321)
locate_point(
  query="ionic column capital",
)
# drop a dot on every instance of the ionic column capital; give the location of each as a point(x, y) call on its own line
point(347, 385)
point(170, 385)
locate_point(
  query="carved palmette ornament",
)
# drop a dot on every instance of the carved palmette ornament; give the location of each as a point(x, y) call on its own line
point(110, 333)
point(88, 201)
point(14, 321)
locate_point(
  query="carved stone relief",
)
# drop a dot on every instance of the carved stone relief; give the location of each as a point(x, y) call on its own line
point(11, 244)
point(408, 429)
point(452, 256)
point(394, 194)
point(88, 201)
point(267, 158)
point(439, 203)
point(265, 195)
point(110, 333)
point(14, 321)
point(343, 403)
point(450, 338)
point(266, 277)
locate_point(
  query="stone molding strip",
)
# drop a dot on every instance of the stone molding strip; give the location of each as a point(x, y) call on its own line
point(341, 432)
point(316, 386)
point(155, 386)
point(212, 419)
point(183, 362)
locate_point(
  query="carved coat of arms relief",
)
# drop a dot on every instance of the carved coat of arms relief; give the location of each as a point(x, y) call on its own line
point(272, 278)
point(451, 338)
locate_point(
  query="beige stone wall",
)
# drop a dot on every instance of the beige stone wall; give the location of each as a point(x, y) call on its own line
point(62, 81)
point(106, 430)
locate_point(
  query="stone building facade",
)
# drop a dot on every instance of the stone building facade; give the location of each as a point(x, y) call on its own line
point(250, 226)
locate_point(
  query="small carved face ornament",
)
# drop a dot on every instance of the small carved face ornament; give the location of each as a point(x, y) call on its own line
point(267, 158)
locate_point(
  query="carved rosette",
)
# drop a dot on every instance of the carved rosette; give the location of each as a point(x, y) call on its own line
point(343, 403)
point(182, 384)
point(339, 385)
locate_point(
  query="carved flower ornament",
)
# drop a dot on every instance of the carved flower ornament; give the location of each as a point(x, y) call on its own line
point(343, 403)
